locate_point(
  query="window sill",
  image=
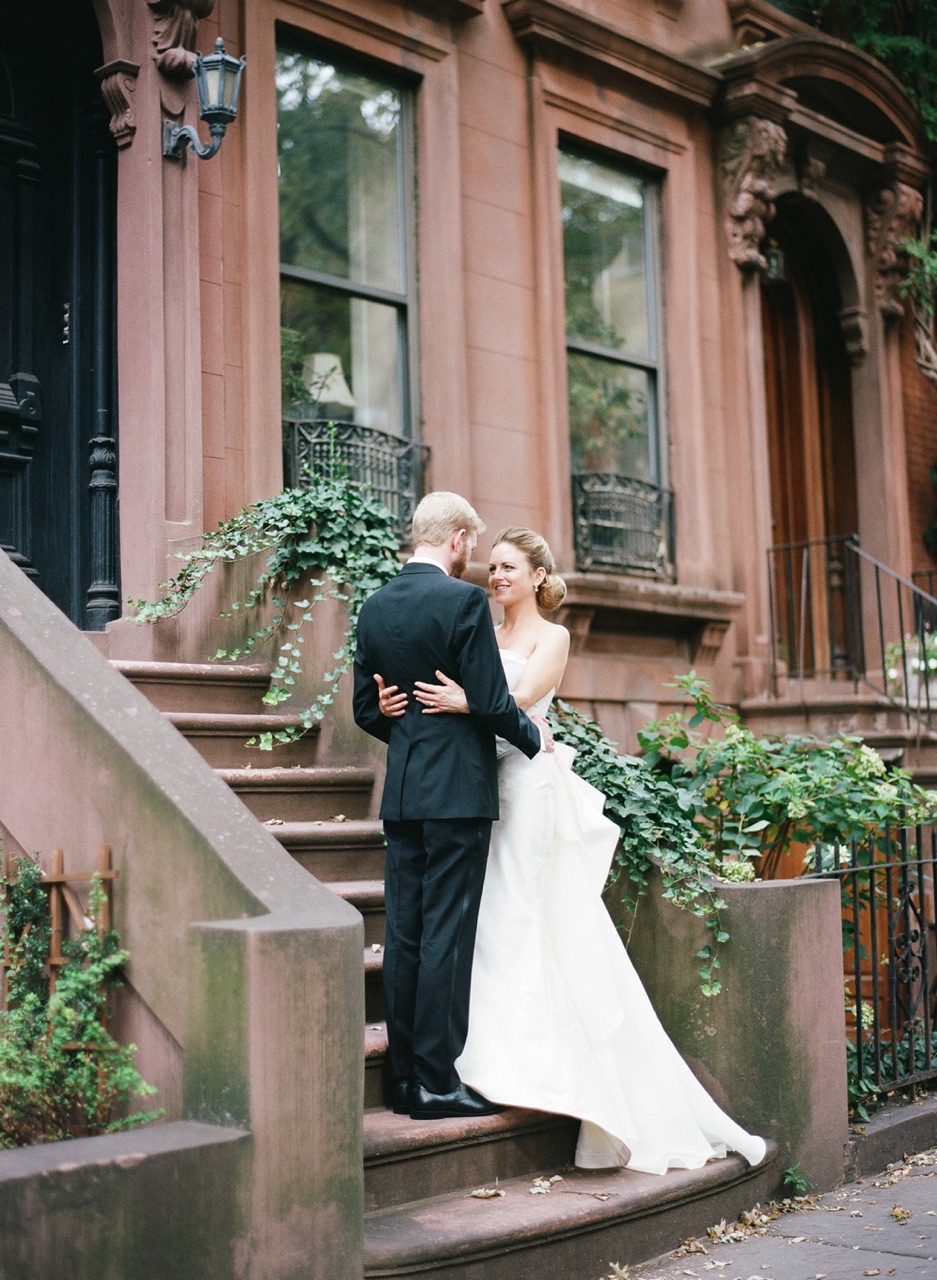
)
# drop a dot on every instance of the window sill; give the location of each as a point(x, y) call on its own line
point(599, 606)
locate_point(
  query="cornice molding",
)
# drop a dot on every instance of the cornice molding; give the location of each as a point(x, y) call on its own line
point(558, 30)
point(431, 45)
point(813, 55)
point(757, 20)
point(456, 10)
point(609, 120)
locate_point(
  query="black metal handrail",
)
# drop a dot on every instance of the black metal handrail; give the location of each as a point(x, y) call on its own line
point(838, 612)
point(621, 524)
point(393, 468)
point(887, 885)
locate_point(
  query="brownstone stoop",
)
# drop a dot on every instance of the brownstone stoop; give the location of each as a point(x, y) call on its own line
point(420, 1215)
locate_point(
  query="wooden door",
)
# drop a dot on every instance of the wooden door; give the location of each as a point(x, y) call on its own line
point(57, 401)
point(811, 459)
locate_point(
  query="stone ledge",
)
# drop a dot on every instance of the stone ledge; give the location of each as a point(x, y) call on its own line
point(899, 1128)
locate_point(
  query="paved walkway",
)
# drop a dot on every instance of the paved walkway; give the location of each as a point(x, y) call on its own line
point(882, 1225)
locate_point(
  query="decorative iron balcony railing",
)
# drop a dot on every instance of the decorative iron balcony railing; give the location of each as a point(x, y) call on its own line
point(622, 525)
point(394, 469)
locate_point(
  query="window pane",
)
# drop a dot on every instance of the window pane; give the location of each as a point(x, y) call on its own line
point(608, 417)
point(341, 358)
point(604, 246)
point(339, 141)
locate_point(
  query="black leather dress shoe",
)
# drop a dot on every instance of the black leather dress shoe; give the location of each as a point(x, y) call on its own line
point(400, 1094)
point(463, 1101)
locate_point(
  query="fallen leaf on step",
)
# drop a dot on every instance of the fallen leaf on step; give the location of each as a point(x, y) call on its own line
point(873, 1271)
point(855, 1213)
point(274, 822)
point(900, 1215)
point(602, 1195)
point(618, 1272)
point(691, 1246)
point(798, 1239)
point(338, 817)
point(377, 947)
point(486, 1193)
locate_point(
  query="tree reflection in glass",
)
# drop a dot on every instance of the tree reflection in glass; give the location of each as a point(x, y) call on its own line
point(341, 239)
point(609, 327)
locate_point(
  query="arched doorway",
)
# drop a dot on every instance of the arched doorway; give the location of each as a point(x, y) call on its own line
point(811, 445)
point(57, 397)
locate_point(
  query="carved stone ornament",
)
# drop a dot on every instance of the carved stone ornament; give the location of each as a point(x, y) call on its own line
point(854, 325)
point(925, 352)
point(118, 82)
point(753, 152)
point(892, 214)
point(810, 174)
point(175, 32)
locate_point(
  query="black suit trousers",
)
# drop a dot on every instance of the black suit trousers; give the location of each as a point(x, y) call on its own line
point(434, 874)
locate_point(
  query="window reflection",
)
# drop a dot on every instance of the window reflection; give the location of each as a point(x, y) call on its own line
point(344, 277)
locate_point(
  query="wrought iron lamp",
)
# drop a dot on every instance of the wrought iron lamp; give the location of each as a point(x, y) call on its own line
point(218, 82)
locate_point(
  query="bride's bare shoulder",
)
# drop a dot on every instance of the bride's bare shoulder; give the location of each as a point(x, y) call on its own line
point(552, 636)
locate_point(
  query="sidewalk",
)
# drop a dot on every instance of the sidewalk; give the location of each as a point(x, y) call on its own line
point(881, 1225)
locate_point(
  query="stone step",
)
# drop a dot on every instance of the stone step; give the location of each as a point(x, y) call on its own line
point(824, 713)
point(200, 686)
point(375, 1064)
point(221, 739)
point(374, 1011)
point(407, 1160)
point(335, 850)
point(303, 795)
point(588, 1220)
point(368, 897)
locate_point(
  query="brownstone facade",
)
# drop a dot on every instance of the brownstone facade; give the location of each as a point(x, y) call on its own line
point(740, 129)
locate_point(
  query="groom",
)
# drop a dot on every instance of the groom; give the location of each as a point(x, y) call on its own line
point(440, 797)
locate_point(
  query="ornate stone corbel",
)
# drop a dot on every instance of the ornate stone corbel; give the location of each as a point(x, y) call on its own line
point(752, 154)
point(810, 173)
point(175, 32)
point(118, 81)
point(892, 214)
point(855, 329)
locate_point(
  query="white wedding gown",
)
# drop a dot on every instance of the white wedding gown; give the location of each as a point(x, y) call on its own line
point(559, 1020)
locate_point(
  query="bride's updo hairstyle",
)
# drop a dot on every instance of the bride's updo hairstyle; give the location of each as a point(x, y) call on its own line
point(552, 591)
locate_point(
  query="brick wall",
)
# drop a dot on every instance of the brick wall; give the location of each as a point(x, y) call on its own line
point(920, 415)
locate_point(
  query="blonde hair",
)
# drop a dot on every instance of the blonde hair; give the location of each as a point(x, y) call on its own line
point(552, 590)
point(441, 514)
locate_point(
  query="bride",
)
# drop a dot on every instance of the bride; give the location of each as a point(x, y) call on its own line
point(559, 1020)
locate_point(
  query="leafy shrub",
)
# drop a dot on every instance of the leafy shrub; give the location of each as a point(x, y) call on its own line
point(62, 1074)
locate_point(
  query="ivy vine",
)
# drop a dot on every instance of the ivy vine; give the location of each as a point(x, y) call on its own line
point(901, 35)
point(334, 539)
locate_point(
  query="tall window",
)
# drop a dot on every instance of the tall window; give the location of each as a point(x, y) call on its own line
point(622, 511)
point(346, 292)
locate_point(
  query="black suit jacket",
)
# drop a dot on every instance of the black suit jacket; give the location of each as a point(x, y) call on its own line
point(438, 766)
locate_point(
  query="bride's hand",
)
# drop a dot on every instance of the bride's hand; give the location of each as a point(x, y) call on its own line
point(391, 703)
point(445, 696)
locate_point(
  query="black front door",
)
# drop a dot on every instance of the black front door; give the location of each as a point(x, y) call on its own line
point(57, 402)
